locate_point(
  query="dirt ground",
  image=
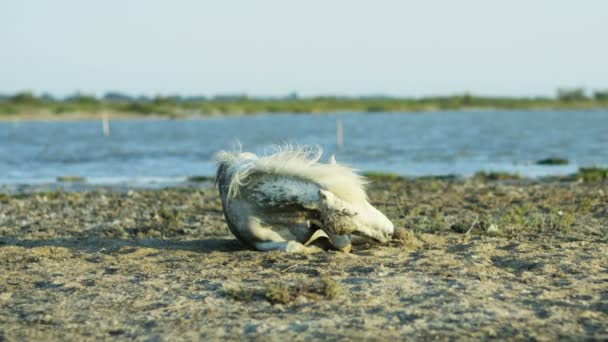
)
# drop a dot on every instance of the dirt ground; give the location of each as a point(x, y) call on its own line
point(474, 258)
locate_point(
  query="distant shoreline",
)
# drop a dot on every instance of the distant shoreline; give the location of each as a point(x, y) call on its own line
point(45, 116)
point(28, 107)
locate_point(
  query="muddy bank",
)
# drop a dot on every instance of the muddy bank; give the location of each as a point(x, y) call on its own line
point(475, 259)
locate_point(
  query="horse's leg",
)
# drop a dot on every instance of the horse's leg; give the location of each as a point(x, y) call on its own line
point(286, 246)
point(266, 239)
point(319, 233)
point(338, 242)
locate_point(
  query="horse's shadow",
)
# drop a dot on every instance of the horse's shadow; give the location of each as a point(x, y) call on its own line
point(103, 244)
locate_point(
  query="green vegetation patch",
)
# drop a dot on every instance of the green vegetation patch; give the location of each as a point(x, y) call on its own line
point(283, 292)
point(495, 175)
point(28, 104)
point(71, 179)
point(200, 179)
point(553, 161)
point(592, 174)
point(382, 176)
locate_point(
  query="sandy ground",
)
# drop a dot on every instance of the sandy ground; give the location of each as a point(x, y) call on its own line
point(474, 259)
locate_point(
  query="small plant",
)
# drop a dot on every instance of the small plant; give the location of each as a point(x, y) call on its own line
point(172, 219)
point(239, 294)
point(278, 293)
point(282, 293)
point(169, 214)
point(493, 230)
point(567, 219)
point(435, 185)
point(586, 205)
point(562, 220)
point(515, 216)
point(331, 288)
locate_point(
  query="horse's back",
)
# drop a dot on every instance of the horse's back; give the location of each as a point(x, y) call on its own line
point(273, 208)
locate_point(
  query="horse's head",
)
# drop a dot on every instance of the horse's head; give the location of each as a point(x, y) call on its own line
point(342, 217)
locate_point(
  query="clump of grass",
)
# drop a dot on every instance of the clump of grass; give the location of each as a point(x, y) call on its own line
point(424, 218)
point(516, 216)
point(283, 293)
point(495, 175)
point(402, 234)
point(279, 293)
point(592, 174)
point(382, 176)
point(407, 238)
point(493, 230)
point(525, 218)
point(51, 194)
point(240, 294)
point(553, 161)
point(519, 219)
point(169, 214)
point(567, 220)
point(462, 227)
point(585, 205)
point(171, 218)
point(331, 288)
point(562, 220)
point(434, 184)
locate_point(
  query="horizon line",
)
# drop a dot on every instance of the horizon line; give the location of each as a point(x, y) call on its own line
point(286, 95)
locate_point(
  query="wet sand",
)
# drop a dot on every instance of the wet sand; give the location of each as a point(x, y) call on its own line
point(472, 258)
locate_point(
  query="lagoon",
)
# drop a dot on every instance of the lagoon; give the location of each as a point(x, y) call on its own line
point(154, 151)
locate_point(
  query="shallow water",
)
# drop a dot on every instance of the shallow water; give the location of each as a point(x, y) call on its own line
point(165, 151)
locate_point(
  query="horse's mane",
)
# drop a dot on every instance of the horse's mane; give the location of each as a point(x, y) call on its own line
point(296, 161)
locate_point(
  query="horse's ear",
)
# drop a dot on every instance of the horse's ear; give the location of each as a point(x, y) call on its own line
point(332, 160)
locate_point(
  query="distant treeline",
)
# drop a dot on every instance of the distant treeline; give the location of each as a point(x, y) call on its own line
point(30, 104)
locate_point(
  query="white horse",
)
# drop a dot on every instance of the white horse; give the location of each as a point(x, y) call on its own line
point(291, 202)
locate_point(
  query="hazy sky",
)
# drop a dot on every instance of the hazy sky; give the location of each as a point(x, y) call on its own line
point(273, 47)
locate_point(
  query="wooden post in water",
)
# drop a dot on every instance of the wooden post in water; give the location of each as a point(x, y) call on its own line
point(105, 124)
point(339, 135)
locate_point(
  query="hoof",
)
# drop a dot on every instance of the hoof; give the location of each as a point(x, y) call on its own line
point(319, 233)
point(346, 249)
